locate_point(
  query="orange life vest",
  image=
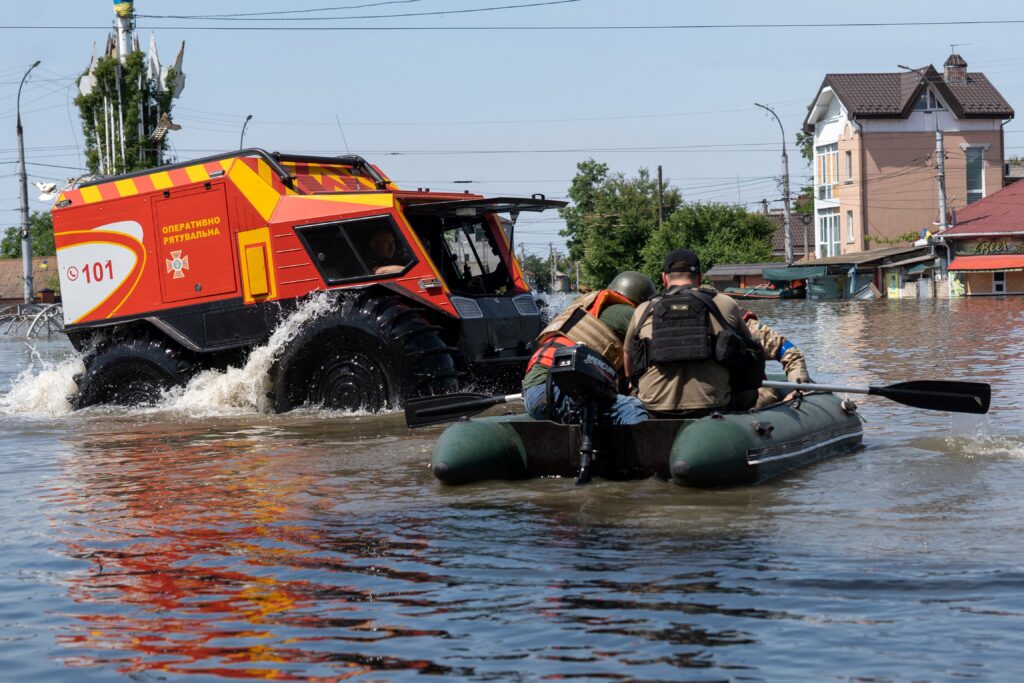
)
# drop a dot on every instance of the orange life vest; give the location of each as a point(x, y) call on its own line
point(579, 324)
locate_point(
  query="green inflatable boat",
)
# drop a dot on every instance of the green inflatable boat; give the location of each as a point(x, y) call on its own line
point(714, 451)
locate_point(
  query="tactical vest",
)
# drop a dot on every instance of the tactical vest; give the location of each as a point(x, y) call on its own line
point(681, 332)
point(579, 324)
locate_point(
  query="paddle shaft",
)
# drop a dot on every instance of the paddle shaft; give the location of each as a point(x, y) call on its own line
point(475, 404)
point(951, 396)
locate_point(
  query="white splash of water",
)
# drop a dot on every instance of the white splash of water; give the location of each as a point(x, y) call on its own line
point(216, 392)
point(974, 436)
point(43, 388)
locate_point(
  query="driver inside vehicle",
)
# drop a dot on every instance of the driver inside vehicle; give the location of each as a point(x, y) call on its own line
point(385, 257)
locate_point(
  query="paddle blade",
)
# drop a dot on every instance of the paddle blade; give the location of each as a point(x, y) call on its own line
point(954, 397)
point(432, 410)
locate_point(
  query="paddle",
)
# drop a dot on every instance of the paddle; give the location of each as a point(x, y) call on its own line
point(954, 397)
point(431, 410)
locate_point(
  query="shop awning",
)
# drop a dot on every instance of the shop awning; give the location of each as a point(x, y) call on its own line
point(919, 268)
point(987, 264)
point(793, 273)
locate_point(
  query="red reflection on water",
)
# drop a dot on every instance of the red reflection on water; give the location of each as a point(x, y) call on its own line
point(191, 540)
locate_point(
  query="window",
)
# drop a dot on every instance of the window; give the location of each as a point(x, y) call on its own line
point(466, 251)
point(928, 101)
point(827, 169)
point(849, 227)
point(828, 233)
point(975, 173)
point(359, 248)
point(999, 282)
point(849, 167)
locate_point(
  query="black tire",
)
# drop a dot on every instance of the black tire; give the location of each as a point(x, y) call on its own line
point(131, 373)
point(371, 353)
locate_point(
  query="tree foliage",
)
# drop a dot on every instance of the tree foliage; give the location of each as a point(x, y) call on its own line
point(718, 233)
point(612, 216)
point(140, 100)
point(40, 230)
point(612, 226)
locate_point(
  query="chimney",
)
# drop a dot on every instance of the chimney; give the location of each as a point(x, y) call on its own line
point(955, 69)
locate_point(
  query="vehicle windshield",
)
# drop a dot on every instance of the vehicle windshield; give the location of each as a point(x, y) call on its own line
point(466, 252)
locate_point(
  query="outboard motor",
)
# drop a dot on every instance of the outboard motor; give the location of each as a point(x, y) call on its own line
point(591, 382)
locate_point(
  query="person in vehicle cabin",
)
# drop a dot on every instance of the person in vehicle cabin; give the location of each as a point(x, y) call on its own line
point(678, 359)
point(385, 256)
point(598, 320)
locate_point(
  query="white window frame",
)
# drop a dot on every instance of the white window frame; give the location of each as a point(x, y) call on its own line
point(826, 168)
point(849, 227)
point(849, 166)
point(999, 282)
point(828, 233)
point(984, 149)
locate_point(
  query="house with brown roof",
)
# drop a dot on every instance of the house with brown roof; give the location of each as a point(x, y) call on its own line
point(12, 278)
point(986, 245)
point(876, 137)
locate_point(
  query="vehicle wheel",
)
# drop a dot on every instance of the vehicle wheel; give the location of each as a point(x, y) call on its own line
point(370, 354)
point(131, 373)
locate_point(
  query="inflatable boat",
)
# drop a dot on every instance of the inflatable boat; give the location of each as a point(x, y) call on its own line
point(714, 451)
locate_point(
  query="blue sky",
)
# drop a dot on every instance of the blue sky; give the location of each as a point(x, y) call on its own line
point(513, 111)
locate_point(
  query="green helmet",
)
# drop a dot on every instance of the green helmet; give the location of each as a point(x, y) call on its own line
point(635, 286)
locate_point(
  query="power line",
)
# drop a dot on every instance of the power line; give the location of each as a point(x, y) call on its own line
point(567, 27)
point(432, 13)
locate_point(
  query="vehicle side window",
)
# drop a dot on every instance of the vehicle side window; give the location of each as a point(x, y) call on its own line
point(359, 248)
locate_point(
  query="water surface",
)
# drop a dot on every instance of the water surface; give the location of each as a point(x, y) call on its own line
point(206, 540)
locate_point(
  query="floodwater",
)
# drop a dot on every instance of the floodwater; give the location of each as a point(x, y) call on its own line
point(204, 540)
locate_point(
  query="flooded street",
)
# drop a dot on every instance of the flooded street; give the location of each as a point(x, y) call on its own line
point(203, 539)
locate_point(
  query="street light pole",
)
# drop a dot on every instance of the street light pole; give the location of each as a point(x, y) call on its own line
point(26, 239)
point(785, 185)
point(241, 140)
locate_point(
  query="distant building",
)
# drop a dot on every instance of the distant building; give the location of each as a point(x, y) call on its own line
point(986, 246)
point(875, 151)
point(12, 273)
point(802, 229)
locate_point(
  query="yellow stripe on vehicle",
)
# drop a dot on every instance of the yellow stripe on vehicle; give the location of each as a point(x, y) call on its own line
point(197, 173)
point(161, 180)
point(91, 194)
point(259, 192)
point(126, 187)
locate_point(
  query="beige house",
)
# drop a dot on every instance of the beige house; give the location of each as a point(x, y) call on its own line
point(876, 137)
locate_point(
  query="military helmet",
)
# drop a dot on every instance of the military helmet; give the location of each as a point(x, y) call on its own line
point(635, 286)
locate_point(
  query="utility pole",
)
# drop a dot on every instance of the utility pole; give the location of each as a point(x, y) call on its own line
point(661, 211)
point(940, 175)
point(785, 185)
point(522, 253)
point(26, 237)
point(551, 263)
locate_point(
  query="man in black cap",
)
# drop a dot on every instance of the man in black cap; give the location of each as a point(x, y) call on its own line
point(688, 349)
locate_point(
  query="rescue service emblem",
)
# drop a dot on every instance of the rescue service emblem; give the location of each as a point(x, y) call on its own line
point(177, 264)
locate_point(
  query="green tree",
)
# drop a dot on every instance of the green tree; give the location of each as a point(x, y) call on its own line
point(612, 216)
point(583, 192)
point(718, 233)
point(539, 270)
point(140, 101)
point(40, 230)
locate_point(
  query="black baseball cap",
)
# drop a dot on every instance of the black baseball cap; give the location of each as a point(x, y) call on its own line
point(681, 261)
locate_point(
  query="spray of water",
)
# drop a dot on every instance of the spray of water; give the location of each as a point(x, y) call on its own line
point(43, 388)
point(245, 389)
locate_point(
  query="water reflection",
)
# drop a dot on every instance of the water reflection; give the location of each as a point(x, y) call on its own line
point(205, 557)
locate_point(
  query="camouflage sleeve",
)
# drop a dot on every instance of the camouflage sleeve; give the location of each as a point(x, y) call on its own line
point(777, 347)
